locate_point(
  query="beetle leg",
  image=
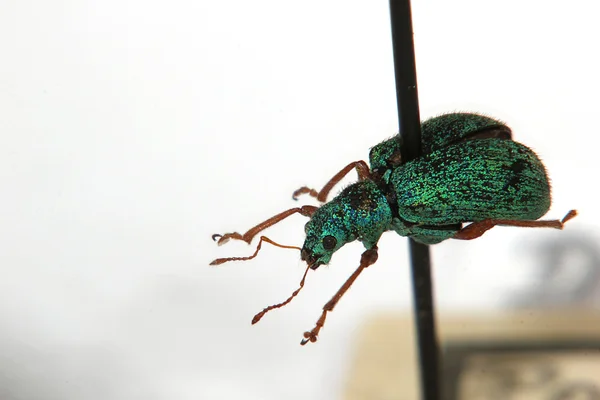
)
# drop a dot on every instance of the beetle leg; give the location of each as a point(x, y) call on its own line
point(220, 261)
point(306, 211)
point(477, 229)
point(369, 257)
point(261, 314)
point(362, 169)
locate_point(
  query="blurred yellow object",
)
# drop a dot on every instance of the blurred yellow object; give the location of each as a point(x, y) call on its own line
point(480, 347)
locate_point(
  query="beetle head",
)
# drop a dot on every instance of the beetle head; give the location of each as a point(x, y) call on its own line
point(326, 232)
point(359, 212)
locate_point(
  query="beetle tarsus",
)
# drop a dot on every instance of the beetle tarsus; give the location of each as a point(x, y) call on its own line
point(304, 190)
point(570, 215)
point(313, 335)
point(222, 239)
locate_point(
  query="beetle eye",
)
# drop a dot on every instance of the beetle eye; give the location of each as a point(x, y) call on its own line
point(329, 242)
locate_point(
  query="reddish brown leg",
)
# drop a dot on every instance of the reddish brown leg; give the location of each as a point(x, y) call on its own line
point(477, 229)
point(261, 314)
point(362, 169)
point(307, 211)
point(369, 257)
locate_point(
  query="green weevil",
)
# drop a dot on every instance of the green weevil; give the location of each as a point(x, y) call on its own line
point(470, 172)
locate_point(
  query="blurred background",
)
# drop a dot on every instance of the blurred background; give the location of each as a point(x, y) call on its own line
point(131, 131)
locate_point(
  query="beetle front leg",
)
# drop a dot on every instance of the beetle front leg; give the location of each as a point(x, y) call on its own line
point(362, 169)
point(306, 211)
point(369, 257)
point(476, 229)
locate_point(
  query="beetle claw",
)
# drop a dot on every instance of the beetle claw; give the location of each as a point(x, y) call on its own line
point(222, 239)
point(309, 337)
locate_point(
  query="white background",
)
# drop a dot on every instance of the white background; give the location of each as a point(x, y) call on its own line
point(131, 131)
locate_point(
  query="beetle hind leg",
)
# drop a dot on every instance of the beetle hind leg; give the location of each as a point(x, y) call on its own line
point(476, 229)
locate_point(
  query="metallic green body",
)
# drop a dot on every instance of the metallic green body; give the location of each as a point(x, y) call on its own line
point(444, 130)
point(468, 182)
point(470, 170)
point(436, 133)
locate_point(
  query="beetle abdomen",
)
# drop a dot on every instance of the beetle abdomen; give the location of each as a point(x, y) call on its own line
point(472, 181)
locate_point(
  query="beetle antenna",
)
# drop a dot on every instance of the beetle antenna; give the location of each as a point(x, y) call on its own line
point(261, 314)
point(220, 261)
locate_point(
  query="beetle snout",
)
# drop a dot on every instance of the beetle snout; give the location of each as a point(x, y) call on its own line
point(310, 258)
point(304, 254)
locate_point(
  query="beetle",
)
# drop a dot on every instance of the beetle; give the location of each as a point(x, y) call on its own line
point(470, 171)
